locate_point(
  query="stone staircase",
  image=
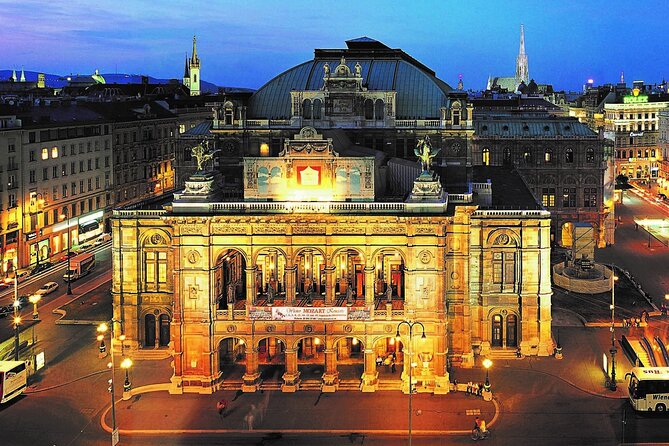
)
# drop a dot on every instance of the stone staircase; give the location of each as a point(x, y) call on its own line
point(349, 384)
point(231, 384)
point(311, 384)
point(150, 355)
point(503, 354)
point(270, 385)
point(394, 384)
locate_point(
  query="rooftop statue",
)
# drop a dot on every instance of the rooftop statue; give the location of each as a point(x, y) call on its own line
point(425, 153)
point(202, 154)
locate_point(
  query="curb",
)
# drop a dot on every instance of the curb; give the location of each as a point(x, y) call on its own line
point(165, 386)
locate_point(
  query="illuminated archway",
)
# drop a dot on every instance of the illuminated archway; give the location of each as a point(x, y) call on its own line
point(349, 266)
point(310, 358)
point(230, 285)
point(270, 281)
point(350, 357)
point(232, 358)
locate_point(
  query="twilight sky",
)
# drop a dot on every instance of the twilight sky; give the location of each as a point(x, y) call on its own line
point(245, 43)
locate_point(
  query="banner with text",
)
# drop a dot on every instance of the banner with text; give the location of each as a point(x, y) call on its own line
point(309, 313)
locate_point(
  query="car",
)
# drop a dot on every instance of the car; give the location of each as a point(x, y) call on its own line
point(41, 267)
point(84, 246)
point(21, 275)
point(72, 253)
point(102, 238)
point(47, 288)
point(23, 300)
point(6, 310)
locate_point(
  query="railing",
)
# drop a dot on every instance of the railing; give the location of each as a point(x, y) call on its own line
point(511, 213)
point(138, 213)
point(460, 198)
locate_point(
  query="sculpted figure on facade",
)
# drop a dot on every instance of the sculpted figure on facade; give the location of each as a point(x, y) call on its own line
point(202, 154)
point(425, 153)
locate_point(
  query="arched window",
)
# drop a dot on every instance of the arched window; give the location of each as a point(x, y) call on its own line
point(569, 156)
point(306, 109)
point(507, 156)
point(369, 109)
point(486, 156)
point(317, 108)
point(589, 155)
point(195, 78)
point(652, 153)
point(548, 156)
point(378, 110)
point(527, 155)
point(645, 153)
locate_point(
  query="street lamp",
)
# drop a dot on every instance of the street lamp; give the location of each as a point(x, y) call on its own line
point(487, 363)
point(69, 243)
point(17, 323)
point(34, 298)
point(102, 329)
point(612, 383)
point(410, 324)
point(126, 364)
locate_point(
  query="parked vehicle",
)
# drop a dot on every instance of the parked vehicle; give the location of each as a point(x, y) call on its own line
point(102, 238)
point(6, 310)
point(21, 275)
point(13, 379)
point(68, 254)
point(47, 288)
point(80, 266)
point(43, 266)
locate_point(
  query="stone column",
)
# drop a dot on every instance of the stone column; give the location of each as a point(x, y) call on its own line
point(251, 377)
point(331, 376)
point(370, 377)
point(329, 285)
point(369, 286)
point(250, 287)
point(291, 379)
point(291, 272)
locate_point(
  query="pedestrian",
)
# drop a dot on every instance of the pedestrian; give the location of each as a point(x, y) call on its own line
point(392, 366)
point(221, 406)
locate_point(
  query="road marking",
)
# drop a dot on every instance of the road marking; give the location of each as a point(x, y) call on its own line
point(473, 412)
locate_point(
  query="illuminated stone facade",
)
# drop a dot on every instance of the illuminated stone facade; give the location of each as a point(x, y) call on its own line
point(308, 294)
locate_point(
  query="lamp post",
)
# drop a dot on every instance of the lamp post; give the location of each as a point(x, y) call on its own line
point(487, 363)
point(126, 364)
point(612, 382)
point(17, 323)
point(102, 329)
point(69, 243)
point(410, 324)
point(34, 298)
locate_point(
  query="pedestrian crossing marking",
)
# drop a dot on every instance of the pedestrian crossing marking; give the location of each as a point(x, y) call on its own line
point(473, 412)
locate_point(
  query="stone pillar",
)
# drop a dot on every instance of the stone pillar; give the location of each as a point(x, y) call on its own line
point(250, 287)
point(291, 379)
point(369, 286)
point(331, 375)
point(441, 376)
point(370, 377)
point(251, 377)
point(329, 285)
point(291, 272)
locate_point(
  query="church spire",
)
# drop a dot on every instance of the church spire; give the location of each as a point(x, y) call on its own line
point(23, 75)
point(13, 78)
point(186, 71)
point(194, 59)
point(522, 70)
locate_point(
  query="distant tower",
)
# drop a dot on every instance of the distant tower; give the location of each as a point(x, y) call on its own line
point(622, 77)
point(194, 71)
point(40, 80)
point(23, 75)
point(522, 71)
point(460, 86)
point(13, 78)
point(186, 78)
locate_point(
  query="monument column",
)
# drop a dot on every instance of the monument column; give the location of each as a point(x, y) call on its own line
point(370, 377)
point(291, 379)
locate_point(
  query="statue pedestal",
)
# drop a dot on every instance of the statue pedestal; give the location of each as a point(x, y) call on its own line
point(202, 187)
point(427, 190)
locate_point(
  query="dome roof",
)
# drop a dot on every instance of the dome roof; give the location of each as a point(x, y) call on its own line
point(420, 94)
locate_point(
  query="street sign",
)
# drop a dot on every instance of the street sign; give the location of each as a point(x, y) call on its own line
point(115, 437)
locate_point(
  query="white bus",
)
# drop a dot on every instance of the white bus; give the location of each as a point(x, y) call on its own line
point(649, 388)
point(13, 379)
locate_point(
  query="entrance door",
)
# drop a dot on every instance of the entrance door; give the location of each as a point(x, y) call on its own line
point(149, 330)
point(511, 330)
point(164, 330)
point(496, 331)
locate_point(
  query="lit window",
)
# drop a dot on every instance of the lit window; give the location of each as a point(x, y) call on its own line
point(45, 153)
point(54, 152)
